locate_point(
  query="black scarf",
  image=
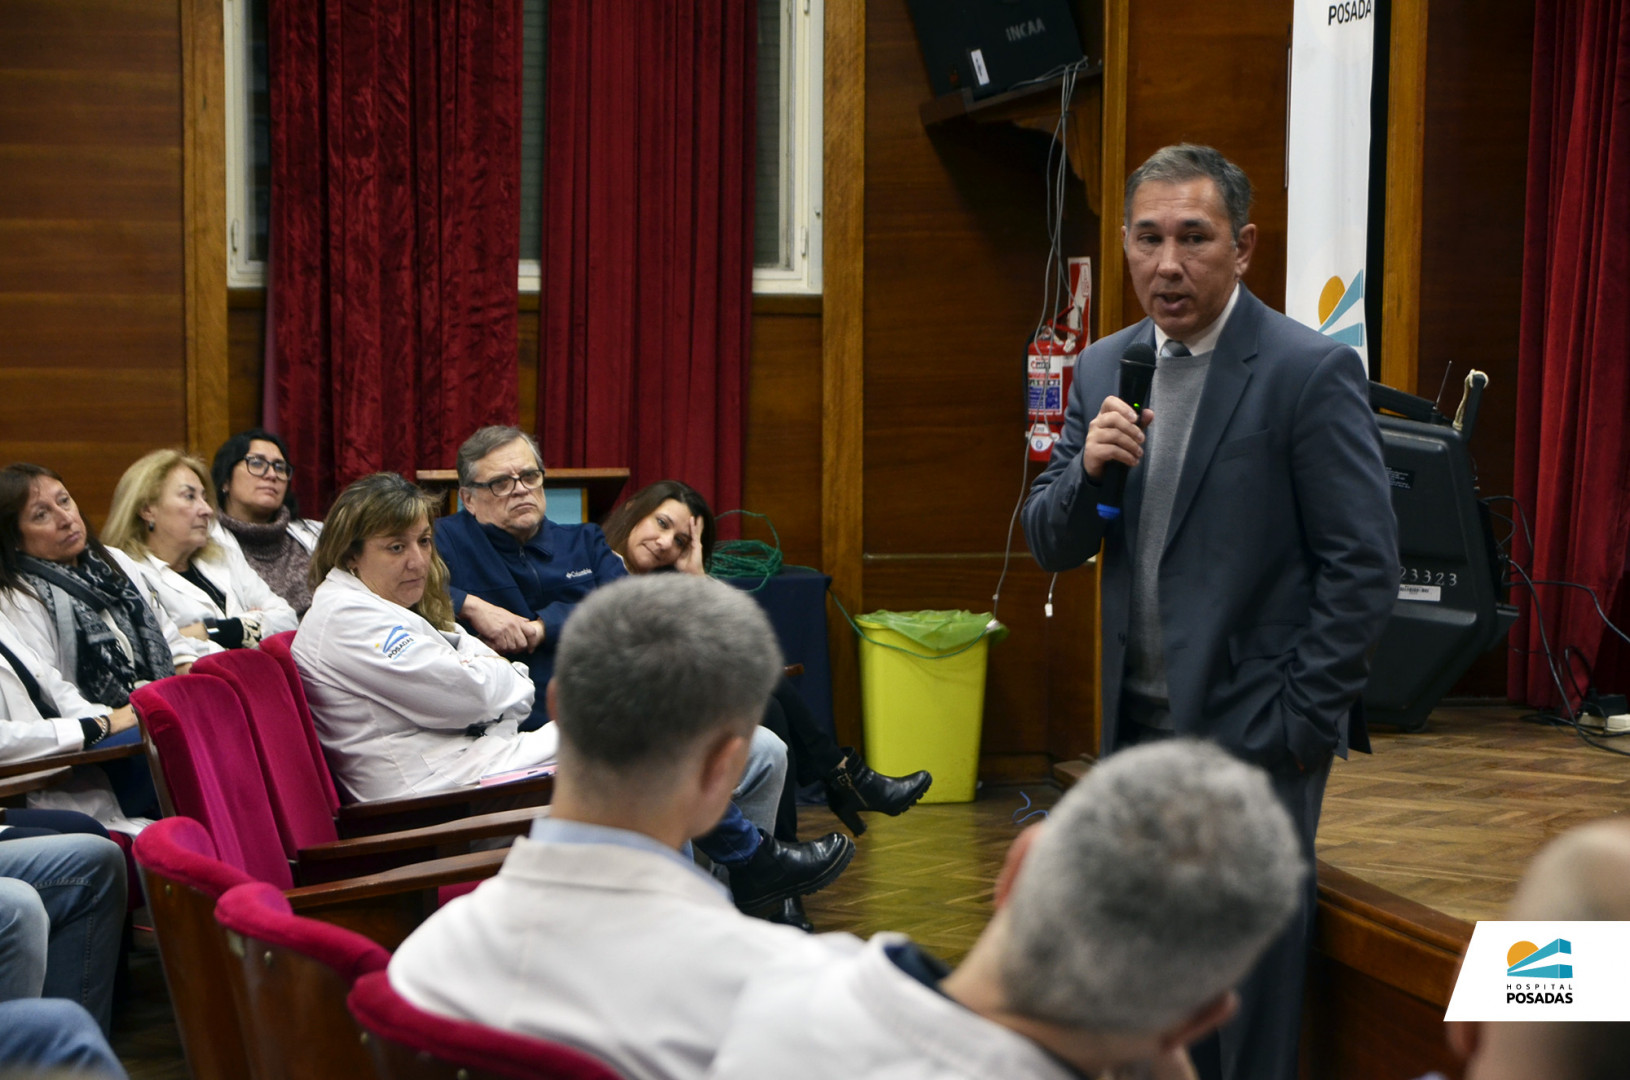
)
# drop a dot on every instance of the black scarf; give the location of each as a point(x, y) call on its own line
point(104, 672)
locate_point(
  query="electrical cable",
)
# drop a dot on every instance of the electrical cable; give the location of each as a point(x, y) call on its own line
point(1054, 280)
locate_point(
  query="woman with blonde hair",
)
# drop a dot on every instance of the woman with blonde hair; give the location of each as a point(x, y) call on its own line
point(404, 700)
point(161, 516)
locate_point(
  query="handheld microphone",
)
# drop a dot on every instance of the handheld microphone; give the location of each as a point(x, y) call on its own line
point(1137, 376)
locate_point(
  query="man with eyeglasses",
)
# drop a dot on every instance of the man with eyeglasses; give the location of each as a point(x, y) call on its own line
point(516, 576)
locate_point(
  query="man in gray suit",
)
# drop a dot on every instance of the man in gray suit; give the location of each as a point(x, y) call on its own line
point(1250, 574)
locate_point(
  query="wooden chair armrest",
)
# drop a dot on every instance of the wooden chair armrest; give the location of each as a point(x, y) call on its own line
point(379, 815)
point(67, 761)
point(794, 670)
point(13, 786)
point(387, 906)
point(480, 827)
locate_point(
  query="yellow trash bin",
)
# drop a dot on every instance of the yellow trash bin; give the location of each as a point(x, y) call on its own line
point(922, 686)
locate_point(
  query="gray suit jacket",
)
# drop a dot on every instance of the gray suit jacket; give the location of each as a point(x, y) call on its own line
point(1281, 560)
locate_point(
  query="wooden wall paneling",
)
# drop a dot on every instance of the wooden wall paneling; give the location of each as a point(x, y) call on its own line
point(245, 358)
point(1216, 74)
point(782, 468)
point(1475, 172)
point(1406, 133)
point(527, 359)
point(92, 322)
point(956, 246)
point(203, 88)
point(843, 271)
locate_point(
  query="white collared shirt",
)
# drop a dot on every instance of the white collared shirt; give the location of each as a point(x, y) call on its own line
point(1206, 340)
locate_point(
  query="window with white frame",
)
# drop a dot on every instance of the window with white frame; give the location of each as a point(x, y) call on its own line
point(787, 215)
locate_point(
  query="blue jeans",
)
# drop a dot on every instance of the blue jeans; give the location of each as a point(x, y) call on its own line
point(752, 809)
point(49, 1035)
point(62, 909)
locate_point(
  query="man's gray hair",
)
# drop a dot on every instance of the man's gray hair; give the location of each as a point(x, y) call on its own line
point(647, 665)
point(1187, 161)
point(1154, 886)
point(484, 442)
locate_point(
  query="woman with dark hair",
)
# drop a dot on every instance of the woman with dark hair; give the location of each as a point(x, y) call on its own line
point(74, 606)
point(666, 524)
point(669, 526)
point(259, 515)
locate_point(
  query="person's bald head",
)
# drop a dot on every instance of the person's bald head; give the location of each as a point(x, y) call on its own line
point(1581, 876)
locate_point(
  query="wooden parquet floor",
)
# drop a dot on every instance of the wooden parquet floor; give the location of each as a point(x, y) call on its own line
point(1449, 817)
point(930, 873)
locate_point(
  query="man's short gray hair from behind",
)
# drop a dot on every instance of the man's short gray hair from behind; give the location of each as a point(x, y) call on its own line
point(1154, 886)
point(1188, 161)
point(648, 665)
point(484, 442)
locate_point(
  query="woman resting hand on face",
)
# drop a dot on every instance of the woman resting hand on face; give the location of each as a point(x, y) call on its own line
point(669, 526)
point(161, 517)
point(405, 702)
point(259, 516)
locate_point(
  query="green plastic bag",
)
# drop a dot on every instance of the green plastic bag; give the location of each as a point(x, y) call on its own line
point(936, 630)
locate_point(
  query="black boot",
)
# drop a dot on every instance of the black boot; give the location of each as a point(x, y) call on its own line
point(852, 787)
point(780, 871)
point(789, 912)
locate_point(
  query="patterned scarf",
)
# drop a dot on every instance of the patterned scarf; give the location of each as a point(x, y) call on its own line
point(279, 559)
point(104, 672)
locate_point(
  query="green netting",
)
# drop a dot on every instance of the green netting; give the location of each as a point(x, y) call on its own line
point(937, 630)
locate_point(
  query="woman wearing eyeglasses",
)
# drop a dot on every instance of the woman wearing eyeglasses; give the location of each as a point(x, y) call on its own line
point(161, 517)
point(259, 515)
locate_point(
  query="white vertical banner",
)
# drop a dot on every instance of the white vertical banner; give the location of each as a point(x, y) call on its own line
point(1328, 167)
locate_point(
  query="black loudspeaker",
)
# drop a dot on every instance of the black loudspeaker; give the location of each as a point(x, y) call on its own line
point(1451, 589)
point(986, 46)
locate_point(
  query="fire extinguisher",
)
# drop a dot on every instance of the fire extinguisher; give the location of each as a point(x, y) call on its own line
point(1051, 356)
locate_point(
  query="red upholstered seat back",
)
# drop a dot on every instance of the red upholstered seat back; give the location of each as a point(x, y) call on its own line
point(183, 880)
point(299, 799)
point(212, 772)
point(277, 647)
point(290, 983)
point(411, 1044)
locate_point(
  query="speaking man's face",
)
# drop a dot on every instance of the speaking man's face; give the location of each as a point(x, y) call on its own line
point(1182, 254)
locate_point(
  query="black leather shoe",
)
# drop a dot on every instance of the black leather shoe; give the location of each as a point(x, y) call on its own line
point(778, 871)
point(789, 912)
point(852, 787)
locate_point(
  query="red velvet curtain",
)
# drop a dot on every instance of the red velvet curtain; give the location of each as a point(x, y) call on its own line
point(395, 229)
point(1573, 419)
point(647, 239)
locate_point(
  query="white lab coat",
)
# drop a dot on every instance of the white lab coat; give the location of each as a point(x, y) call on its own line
point(622, 953)
point(229, 572)
point(860, 1015)
point(25, 734)
point(392, 696)
point(33, 623)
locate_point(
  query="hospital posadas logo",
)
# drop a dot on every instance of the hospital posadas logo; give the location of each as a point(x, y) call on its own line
point(1536, 975)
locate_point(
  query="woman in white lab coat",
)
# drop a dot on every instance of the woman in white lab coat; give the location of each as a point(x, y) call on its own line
point(41, 713)
point(161, 516)
point(404, 700)
point(75, 602)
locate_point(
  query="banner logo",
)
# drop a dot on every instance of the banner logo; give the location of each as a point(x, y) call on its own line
point(1544, 970)
point(1527, 960)
point(1334, 302)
